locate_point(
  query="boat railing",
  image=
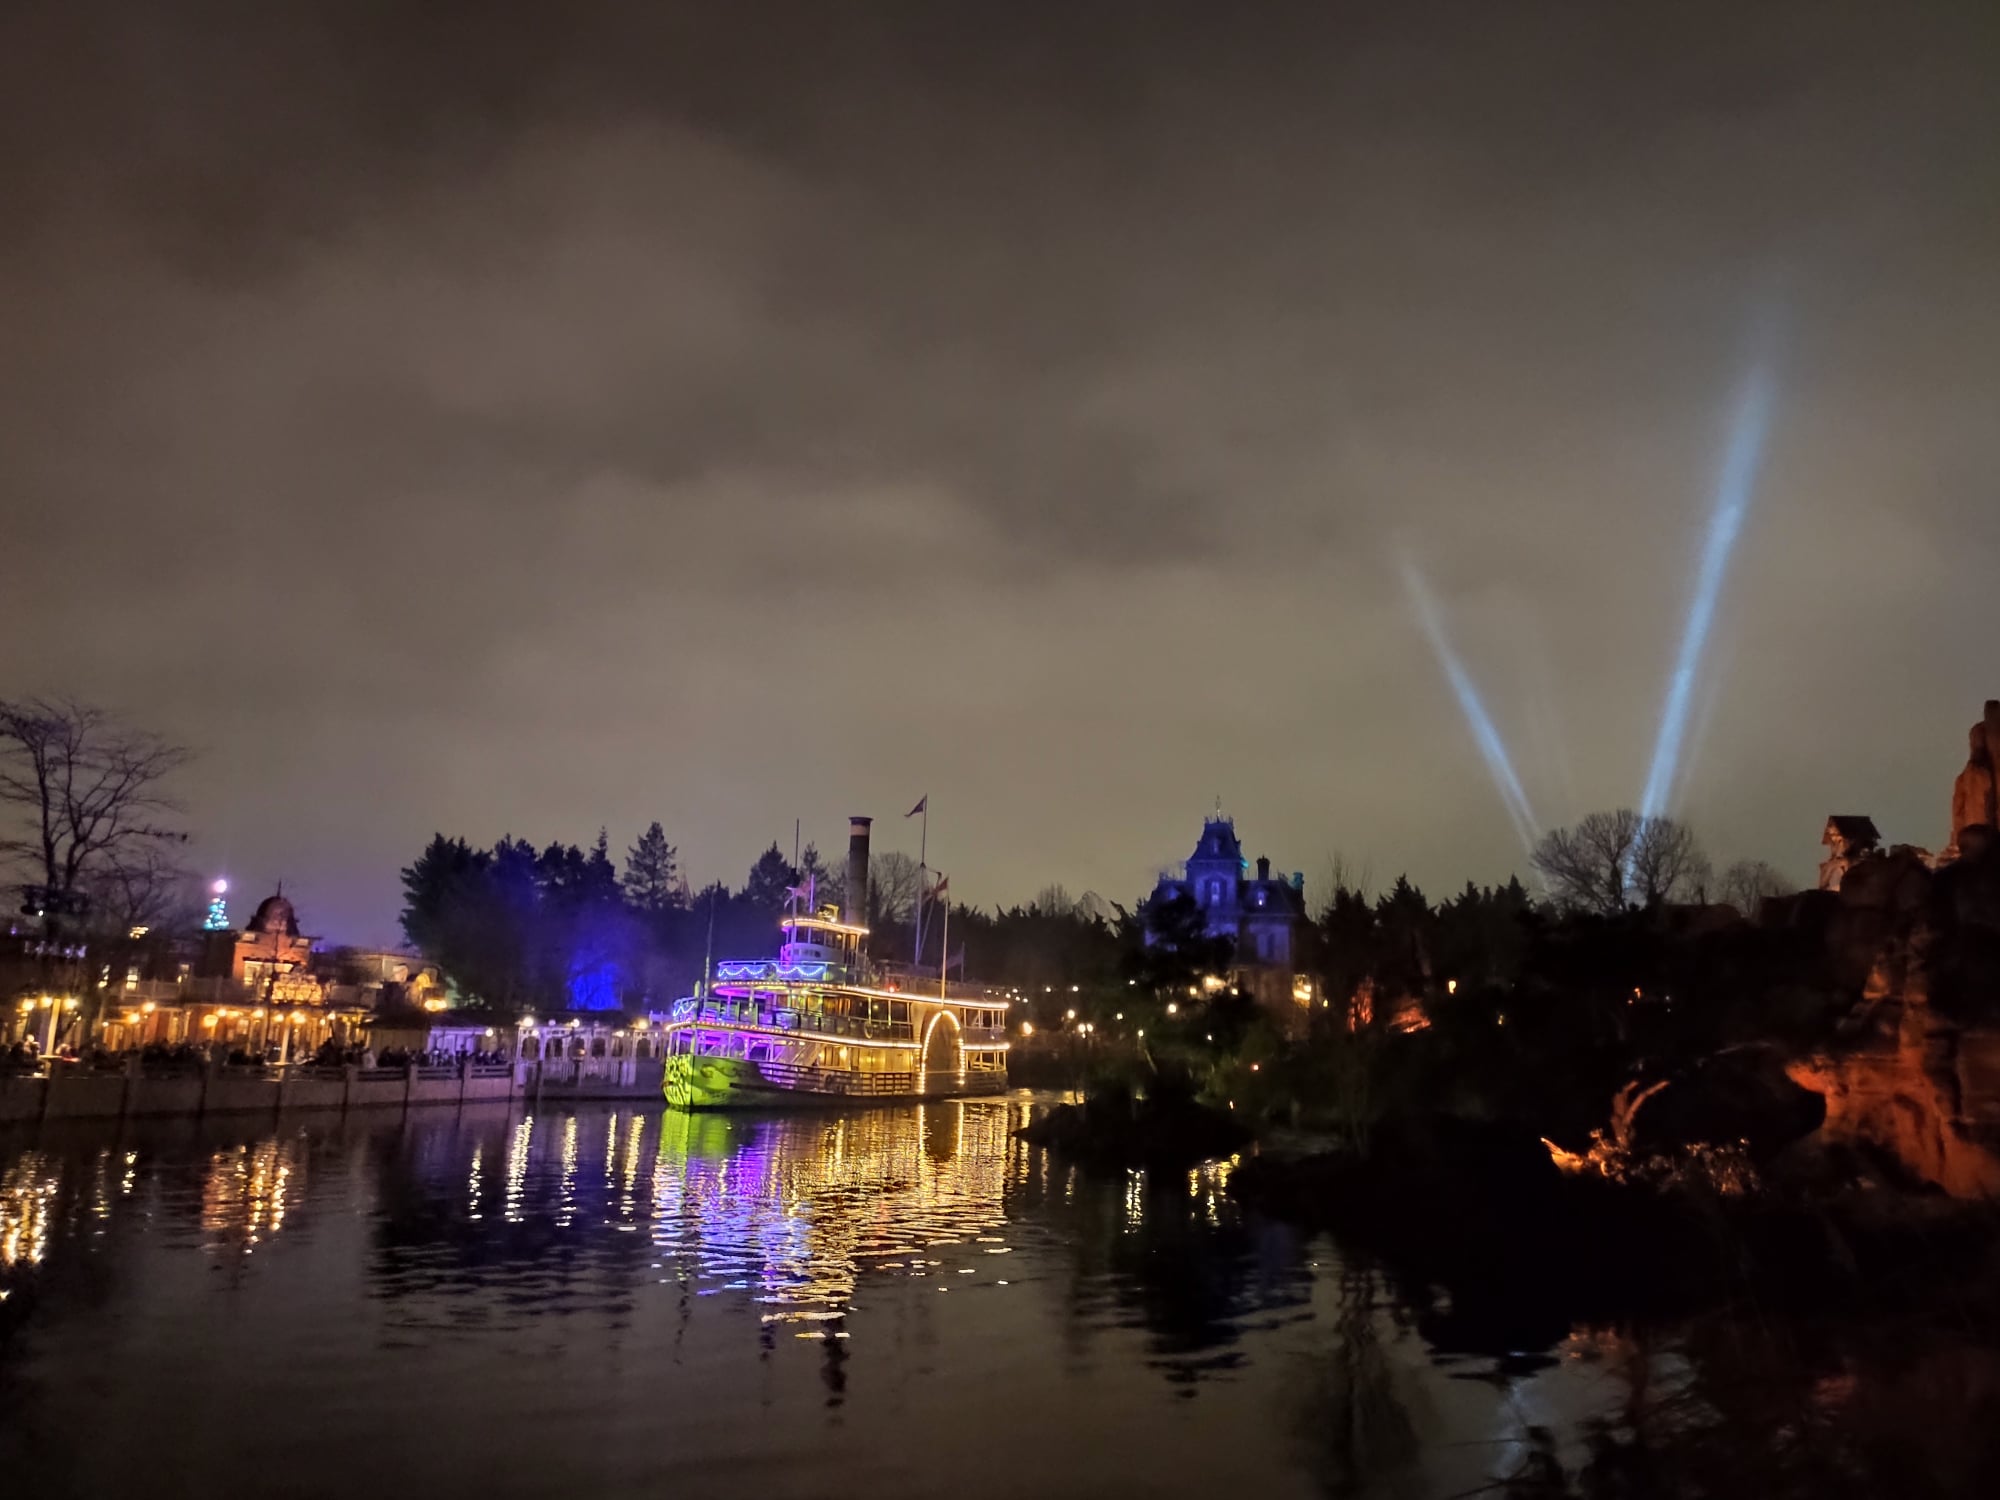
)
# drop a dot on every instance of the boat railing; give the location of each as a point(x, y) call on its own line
point(784, 1018)
point(811, 1080)
point(921, 984)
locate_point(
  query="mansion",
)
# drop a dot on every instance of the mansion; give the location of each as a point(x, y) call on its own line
point(1262, 915)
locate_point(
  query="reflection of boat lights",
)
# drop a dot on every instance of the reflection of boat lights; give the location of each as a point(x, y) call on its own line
point(249, 1190)
point(27, 1203)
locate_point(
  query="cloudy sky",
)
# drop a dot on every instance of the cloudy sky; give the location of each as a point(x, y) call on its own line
point(521, 418)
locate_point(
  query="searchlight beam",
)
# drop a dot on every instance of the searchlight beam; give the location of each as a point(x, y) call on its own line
point(1740, 464)
point(1484, 733)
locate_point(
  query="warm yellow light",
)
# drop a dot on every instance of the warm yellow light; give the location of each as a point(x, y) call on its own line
point(71, 1003)
point(1027, 1028)
point(434, 1005)
point(298, 1018)
point(1069, 1015)
point(527, 1020)
point(1451, 986)
point(208, 1020)
point(258, 1013)
point(1173, 1009)
point(148, 1008)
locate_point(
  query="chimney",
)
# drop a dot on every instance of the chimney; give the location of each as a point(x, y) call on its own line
point(1263, 868)
point(856, 911)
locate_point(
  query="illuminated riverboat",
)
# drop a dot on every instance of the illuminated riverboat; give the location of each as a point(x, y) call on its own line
point(821, 1025)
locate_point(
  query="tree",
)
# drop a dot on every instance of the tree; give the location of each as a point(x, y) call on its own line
point(144, 887)
point(770, 879)
point(1053, 901)
point(828, 885)
point(1174, 948)
point(652, 873)
point(892, 889)
point(1747, 883)
point(1614, 860)
point(88, 797)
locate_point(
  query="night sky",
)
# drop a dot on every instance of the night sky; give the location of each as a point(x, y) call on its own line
point(520, 418)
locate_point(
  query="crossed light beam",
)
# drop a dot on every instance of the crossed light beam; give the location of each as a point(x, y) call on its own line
point(1750, 425)
point(1484, 732)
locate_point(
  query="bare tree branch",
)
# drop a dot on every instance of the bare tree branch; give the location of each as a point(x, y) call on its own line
point(87, 795)
point(1614, 860)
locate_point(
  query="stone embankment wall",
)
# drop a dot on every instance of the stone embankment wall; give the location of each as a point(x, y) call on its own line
point(73, 1094)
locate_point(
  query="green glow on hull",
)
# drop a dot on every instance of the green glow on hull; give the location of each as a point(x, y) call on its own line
point(716, 1083)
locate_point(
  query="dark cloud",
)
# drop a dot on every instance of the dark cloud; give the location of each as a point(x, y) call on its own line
point(523, 417)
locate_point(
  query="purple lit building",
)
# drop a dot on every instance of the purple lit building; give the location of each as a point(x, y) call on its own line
point(1262, 914)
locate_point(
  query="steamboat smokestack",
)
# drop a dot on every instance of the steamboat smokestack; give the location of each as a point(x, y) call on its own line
point(856, 911)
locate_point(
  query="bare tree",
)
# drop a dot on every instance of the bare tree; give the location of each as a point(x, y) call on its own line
point(1053, 901)
point(892, 887)
point(144, 887)
point(1747, 883)
point(1668, 864)
point(87, 796)
point(1613, 860)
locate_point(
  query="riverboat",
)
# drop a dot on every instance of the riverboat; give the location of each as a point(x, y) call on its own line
point(820, 1025)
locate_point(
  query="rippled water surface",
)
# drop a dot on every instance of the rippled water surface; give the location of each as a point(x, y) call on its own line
point(902, 1302)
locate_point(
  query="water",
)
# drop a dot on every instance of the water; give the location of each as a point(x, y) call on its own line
point(608, 1302)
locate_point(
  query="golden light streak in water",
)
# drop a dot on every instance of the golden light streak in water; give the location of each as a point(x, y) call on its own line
point(249, 1189)
point(566, 1193)
point(517, 1167)
point(27, 1202)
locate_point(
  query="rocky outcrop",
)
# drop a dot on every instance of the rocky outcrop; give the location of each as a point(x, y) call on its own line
point(1741, 1094)
point(1912, 1083)
point(1914, 1076)
point(1975, 799)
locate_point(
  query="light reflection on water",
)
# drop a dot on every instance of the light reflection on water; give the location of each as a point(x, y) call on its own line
point(794, 1211)
point(627, 1301)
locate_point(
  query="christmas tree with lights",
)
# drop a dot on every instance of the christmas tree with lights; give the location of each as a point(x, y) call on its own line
point(218, 908)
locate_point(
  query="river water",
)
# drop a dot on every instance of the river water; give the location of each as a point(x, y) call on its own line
point(620, 1301)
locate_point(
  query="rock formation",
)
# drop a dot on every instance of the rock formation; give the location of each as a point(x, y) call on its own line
point(1973, 799)
point(1914, 1076)
point(1849, 839)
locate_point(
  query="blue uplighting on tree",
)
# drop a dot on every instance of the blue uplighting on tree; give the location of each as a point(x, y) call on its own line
point(593, 985)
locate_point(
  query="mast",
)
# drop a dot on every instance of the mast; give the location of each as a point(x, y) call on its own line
point(923, 856)
point(944, 948)
point(708, 954)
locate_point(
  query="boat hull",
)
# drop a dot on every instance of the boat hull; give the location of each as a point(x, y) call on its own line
point(716, 1083)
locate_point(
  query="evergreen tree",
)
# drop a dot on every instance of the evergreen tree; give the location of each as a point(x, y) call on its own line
point(600, 876)
point(652, 872)
point(828, 885)
point(770, 878)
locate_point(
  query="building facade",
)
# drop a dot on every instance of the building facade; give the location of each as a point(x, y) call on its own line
point(1263, 916)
